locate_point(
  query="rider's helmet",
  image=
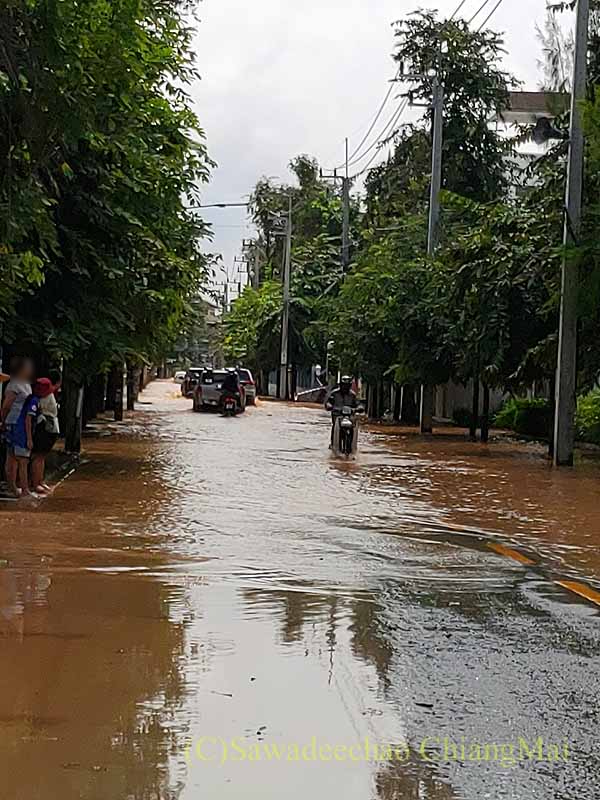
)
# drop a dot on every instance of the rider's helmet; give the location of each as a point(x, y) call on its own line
point(231, 377)
point(346, 383)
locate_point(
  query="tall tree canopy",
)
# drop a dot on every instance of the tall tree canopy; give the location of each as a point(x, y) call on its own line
point(101, 156)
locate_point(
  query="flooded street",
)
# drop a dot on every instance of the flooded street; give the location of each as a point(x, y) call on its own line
point(218, 608)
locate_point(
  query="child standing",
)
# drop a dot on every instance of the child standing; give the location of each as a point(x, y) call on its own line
point(47, 429)
point(17, 393)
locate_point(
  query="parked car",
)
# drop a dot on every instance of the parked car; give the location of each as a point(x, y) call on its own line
point(179, 376)
point(192, 376)
point(207, 392)
point(249, 385)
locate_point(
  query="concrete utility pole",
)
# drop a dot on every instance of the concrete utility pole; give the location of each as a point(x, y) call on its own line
point(346, 218)
point(256, 273)
point(284, 387)
point(566, 371)
point(433, 232)
point(346, 184)
point(252, 247)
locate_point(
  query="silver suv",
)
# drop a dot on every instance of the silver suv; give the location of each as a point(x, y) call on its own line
point(207, 393)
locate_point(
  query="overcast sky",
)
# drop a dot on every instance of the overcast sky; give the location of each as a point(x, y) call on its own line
point(281, 78)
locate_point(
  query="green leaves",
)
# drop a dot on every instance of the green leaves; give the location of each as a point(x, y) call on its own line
point(101, 162)
point(486, 299)
point(252, 328)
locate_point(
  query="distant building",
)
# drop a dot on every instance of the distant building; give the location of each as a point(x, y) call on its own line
point(200, 345)
point(526, 109)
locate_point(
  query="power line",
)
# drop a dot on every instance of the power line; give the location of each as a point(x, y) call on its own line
point(456, 10)
point(487, 19)
point(366, 169)
point(390, 125)
point(479, 10)
point(353, 157)
point(222, 205)
point(387, 128)
point(375, 120)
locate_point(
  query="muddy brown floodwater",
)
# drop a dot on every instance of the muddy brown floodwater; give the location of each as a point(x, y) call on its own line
point(218, 608)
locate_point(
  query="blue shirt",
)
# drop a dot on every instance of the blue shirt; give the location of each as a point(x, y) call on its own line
point(31, 408)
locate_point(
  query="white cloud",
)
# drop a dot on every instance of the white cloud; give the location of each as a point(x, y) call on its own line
point(281, 78)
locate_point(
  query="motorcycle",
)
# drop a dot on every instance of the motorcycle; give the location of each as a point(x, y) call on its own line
point(345, 434)
point(229, 405)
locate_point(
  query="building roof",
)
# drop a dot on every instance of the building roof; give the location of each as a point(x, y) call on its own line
point(530, 106)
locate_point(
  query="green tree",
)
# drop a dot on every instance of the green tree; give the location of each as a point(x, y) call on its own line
point(316, 270)
point(475, 89)
point(392, 312)
point(501, 277)
point(102, 154)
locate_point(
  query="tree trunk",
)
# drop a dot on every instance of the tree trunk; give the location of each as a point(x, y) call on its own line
point(114, 391)
point(375, 401)
point(294, 382)
point(99, 388)
point(117, 382)
point(380, 399)
point(409, 413)
point(427, 407)
point(89, 404)
point(111, 391)
point(552, 400)
point(387, 397)
point(399, 390)
point(485, 417)
point(370, 400)
point(475, 410)
point(72, 403)
point(131, 390)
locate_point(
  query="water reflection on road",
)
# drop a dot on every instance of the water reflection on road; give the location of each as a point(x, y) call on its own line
point(205, 580)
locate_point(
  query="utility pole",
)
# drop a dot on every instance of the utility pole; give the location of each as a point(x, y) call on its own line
point(346, 218)
point(256, 273)
point(252, 248)
point(346, 184)
point(433, 231)
point(226, 297)
point(566, 371)
point(284, 387)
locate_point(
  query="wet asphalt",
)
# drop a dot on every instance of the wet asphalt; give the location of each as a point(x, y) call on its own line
point(219, 608)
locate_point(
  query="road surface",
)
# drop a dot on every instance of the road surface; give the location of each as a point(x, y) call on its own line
point(219, 608)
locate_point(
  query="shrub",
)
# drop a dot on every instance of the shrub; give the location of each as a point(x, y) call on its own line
point(462, 417)
point(528, 416)
point(588, 417)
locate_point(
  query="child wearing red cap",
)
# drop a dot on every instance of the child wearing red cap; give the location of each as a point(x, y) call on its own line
point(46, 431)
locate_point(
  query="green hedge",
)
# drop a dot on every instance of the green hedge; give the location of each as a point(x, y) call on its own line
point(462, 417)
point(528, 416)
point(588, 417)
point(531, 417)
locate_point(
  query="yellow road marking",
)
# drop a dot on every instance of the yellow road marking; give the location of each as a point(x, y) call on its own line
point(576, 587)
point(509, 553)
point(582, 590)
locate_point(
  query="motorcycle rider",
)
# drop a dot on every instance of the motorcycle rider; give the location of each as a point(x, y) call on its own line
point(231, 385)
point(339, 398)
